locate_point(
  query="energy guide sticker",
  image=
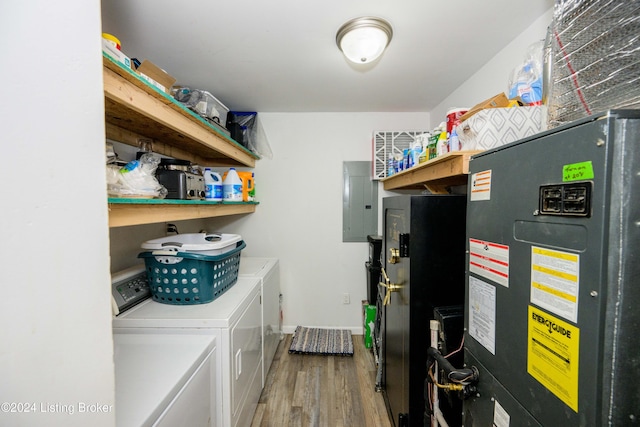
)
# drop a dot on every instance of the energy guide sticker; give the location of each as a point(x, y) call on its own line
point(553, 347)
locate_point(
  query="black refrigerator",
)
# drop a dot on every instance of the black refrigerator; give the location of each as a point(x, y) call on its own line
point(424, 260)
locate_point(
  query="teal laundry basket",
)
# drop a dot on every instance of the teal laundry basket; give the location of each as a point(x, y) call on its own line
point(186, 278)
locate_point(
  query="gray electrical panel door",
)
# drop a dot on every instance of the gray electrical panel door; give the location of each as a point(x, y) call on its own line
point(359, 202)
point(552, 295)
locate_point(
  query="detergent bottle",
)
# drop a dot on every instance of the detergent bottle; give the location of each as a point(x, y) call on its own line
point(212, 186)
point(232, 186)
point(247, 185)
point(252, 191)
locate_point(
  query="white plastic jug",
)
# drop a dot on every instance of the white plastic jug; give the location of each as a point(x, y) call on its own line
point(212, 185)
point(232, 187)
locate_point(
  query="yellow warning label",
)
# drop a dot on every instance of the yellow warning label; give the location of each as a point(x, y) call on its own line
point(552, 355)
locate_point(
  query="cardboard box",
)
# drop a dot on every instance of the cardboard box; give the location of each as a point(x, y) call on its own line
point(494, 127)
point(498, 101)
point(156, 76)
point(110, 49)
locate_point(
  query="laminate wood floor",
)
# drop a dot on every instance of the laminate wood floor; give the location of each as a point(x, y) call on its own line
point(321, 391)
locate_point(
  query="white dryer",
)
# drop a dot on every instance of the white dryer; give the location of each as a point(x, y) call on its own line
point(235, 320)
point(164, 378)
point(268, 271)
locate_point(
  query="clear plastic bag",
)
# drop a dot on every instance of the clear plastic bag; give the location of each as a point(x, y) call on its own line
point(594, 58)
point(136, 179)
point(253, 134)
point(526, 80)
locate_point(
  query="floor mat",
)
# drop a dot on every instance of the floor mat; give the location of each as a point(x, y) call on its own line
point(334, 342)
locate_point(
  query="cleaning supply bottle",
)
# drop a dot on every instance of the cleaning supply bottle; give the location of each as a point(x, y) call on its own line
point(252, 192)
point(232, 186)
point(442, 146)
point(212, 185)
point(454, 141)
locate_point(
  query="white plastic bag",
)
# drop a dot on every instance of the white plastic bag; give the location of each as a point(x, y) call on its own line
point(136, 179)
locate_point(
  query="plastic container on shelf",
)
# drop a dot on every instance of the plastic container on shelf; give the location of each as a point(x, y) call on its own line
point(252, 191)
point(453, 118)
point(442, 146)
point(232, 186)
point(247, 185)
point(113, 40)
point(212, 185)
point(454, 141)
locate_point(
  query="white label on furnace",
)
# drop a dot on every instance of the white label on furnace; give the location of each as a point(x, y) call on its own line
point(481, 186)
point(501, 417)
point(490, 260)
point(555, 281)
point(482, 313)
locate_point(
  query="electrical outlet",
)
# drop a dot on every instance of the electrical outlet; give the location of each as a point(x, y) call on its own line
point(346, 299)
point(171, 229)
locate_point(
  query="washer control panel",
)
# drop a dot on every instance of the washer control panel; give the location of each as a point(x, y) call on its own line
point(129, 287)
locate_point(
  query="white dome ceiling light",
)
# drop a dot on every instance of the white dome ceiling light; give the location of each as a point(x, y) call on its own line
point(362, 40)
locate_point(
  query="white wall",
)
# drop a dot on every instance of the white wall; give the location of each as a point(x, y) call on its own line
point(56, 349)
point(493, 78)
point(299, 219)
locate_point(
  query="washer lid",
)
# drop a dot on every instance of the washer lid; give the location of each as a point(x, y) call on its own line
point(255, 266)
point(219, 313)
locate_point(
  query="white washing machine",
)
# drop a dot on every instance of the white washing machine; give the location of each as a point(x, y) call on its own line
point(234, 319)
point(268, 271)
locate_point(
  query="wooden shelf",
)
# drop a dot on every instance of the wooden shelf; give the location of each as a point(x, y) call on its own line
point(436, 175)
point(135, 109)
point(125, 212)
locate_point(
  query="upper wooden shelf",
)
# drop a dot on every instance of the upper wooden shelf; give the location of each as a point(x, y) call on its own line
point(135, 109)
point(436, 175)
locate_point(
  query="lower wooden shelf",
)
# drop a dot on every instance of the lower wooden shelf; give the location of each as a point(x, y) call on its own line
point(436, 175)
point(124, 212)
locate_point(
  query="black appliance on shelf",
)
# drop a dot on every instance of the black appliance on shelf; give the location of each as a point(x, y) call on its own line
point(424, 268)
point(180, 179)
point(373, 267)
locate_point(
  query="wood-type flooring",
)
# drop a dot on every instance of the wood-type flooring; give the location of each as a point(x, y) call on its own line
point(321, 391)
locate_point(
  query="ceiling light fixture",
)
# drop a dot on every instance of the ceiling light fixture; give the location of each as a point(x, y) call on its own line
point(362, 40)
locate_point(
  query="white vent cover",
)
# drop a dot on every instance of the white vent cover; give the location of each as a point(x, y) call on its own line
point(387, 145)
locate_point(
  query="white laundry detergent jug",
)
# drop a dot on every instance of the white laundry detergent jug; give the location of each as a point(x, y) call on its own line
point(232, 186)
point(212, 185)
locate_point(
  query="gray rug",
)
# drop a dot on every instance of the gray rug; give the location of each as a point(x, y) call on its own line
point(330, 342)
